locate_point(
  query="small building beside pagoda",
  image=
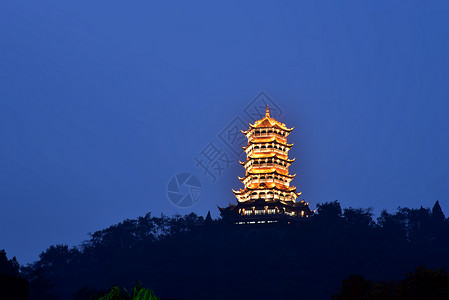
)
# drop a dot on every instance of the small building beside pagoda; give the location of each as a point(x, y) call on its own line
point(267, 196)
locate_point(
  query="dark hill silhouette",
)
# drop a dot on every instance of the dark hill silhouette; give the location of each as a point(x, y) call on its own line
point(12, 287)
point(186, 257)
point(423, 283)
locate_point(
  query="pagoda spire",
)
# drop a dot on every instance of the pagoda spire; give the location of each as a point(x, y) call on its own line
point(267, 113)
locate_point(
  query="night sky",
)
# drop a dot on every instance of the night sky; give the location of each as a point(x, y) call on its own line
point(103, 102)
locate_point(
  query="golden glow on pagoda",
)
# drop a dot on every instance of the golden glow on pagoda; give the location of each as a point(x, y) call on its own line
point(269, 122)
point(267, 163)
point(267, 197)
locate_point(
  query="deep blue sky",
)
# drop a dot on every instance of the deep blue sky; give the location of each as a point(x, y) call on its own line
point(102, 102)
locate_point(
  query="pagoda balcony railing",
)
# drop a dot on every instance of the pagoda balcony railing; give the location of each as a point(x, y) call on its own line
point(266, 165)
point(250, 212)
point(269, 150)
point(269, 196)
point(270, 134)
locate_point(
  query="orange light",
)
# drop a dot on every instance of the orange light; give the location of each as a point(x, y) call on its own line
point(272, 136)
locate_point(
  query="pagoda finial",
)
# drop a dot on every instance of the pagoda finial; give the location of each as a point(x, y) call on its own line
point(267, 113)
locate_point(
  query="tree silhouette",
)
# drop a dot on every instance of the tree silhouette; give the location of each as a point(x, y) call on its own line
point(8, 266)
point(423, 283)
point(12, 286)
point(192, 257)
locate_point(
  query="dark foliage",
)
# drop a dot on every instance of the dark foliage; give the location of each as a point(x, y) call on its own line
point(8, 266)
point(119, 293)
point(192, 258)
point(12, 287)
point(421, 284)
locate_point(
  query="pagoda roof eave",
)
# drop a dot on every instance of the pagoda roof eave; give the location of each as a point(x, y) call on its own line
point(247, 189)
point(275, 171)
point(268, 122)
point(266, 171)
point(253, 126)
point(239, 192)
point(270, 155)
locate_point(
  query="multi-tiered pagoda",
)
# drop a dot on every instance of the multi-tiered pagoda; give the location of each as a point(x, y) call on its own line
point(267, 196)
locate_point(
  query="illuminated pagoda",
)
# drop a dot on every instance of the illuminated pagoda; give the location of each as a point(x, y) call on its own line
point(267, 196)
